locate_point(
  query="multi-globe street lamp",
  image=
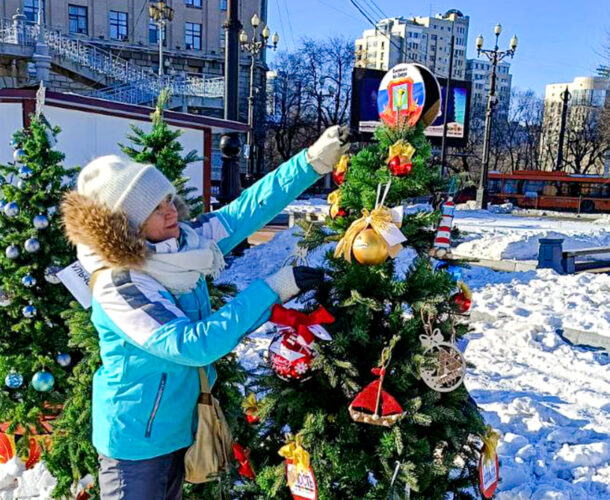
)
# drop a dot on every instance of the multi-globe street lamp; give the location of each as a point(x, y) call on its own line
point(495, 55)
point(161, 14)
point(254, 47)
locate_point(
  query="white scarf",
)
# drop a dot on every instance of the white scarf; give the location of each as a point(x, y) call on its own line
point(180, 270)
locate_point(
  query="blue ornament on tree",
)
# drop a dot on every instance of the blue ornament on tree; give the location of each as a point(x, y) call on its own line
point(12, 252)
point(32, 245)
point(28, 281)
point(25, 172)
point(3, 205)
point(11, 209)
point(41, 221)
point(64, 359)
point(52, 211)
point(13, 380)
point(50, 274)
point(29, 311)
point(13, 144)
point(19, 155)
point(43, 381)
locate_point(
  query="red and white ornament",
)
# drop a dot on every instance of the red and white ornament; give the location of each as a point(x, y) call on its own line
point(292, 350)
point(302, 483)
point(442, 242)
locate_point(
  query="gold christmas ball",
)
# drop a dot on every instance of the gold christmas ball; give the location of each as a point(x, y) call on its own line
point(369, 248)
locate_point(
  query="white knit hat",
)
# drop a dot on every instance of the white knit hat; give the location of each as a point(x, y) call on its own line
point(124, 185)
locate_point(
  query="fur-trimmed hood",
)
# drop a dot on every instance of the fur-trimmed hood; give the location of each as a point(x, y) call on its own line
point(107, 235)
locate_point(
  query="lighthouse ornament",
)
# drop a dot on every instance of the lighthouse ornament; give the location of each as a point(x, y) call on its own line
point(441, 248)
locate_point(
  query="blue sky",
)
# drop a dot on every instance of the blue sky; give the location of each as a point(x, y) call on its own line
point(558, 39)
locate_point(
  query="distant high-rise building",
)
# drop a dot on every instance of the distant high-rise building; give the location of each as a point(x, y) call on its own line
point(478, 72)
point(424, 40)
point(588, 97)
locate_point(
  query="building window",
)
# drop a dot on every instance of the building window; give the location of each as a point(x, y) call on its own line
point(118, 25)
point(153, 33)
point(194, 3)
point(30, 9)
point(223, 4)
point(77, 16)
point(192, 36)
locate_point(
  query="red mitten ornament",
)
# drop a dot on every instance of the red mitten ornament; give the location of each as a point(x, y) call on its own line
point(243, 457)
point(292, 350)
point(489, 464)
point(299, 473)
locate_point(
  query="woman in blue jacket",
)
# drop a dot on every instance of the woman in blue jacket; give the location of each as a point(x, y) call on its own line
point(151, 308)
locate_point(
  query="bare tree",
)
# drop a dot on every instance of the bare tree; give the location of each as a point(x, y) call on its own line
point(584, 142)
point(311, 91)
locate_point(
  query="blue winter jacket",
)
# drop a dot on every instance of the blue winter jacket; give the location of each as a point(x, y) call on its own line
point(152, 343)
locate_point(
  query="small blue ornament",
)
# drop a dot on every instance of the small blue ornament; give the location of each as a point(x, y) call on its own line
point(32, 245)
point(51, 211)
point(43, 381)
point(25, 172)
point(13, 143)
point(12, 252)
point(29, 311)
point(41, 221)
point(19, 155)
point(456, 272)
point(11, 209)
point(13, 380)
point(3, 204)
point(64, 359)
point(28, 281)
point(50, 274)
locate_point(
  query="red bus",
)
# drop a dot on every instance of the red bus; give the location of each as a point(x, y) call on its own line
point(551, 190)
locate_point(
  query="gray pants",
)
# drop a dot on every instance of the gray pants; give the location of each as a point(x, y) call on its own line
point(158, 478)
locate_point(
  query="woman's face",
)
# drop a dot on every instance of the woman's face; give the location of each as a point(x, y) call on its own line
point(162, 224)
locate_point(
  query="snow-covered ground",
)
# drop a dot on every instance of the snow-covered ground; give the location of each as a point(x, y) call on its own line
point(550, 400)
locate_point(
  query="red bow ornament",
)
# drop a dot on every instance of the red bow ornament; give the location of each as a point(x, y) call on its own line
point(243, 457)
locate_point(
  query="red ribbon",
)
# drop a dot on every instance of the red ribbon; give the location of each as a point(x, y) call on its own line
point(301, 321)
point(243, 457)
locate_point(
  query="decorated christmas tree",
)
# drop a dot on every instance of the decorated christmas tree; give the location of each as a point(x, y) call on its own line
point(363, 395)
point(161, 147)
point(34, 357)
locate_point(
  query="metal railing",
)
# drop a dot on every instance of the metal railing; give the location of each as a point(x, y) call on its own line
point(89, 56)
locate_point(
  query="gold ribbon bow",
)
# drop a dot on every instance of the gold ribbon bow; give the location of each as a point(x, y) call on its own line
point(490, 444)
point(403, 149)
point(342, 164)
point(293, 450)
point(465, 290)
point(378, 219)
point(334, 200)
point(250, 404)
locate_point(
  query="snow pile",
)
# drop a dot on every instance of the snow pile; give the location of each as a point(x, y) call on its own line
point(18, 483)
point(503, 236)
point(550, 400)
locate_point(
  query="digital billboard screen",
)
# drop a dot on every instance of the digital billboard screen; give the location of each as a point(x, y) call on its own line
point(365, 116)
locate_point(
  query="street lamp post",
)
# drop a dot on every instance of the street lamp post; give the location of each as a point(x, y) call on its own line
point(565, 98)
point(495, 55)
point(254, 47)
point(161, 14)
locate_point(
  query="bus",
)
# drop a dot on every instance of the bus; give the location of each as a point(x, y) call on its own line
point(551, 190)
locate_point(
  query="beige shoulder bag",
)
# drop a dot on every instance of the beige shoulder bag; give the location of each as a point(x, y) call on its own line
point(210, 454)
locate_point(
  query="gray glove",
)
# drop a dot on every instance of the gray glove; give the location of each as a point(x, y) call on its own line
point(326, 151)
point(290, 281)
